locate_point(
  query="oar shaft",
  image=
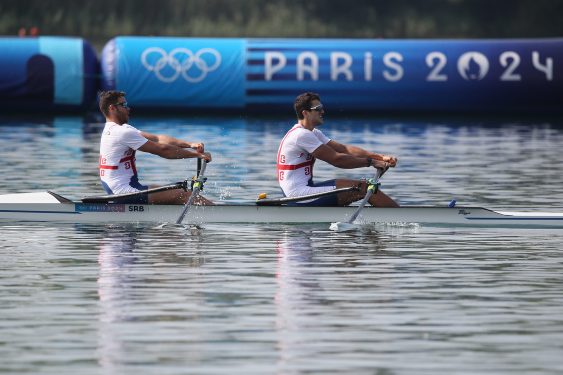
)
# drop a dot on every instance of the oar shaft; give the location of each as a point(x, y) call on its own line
point(199, 161)
point(109, 198)
point(194, 195)
point(284, 200)
point(369, 193)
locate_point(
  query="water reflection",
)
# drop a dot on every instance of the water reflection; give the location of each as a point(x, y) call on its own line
point(134, 264)
point(116, 278)
point(309, 293)
point(295, 290)
point(279, 299)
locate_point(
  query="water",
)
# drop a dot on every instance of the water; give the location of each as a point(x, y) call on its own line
point(288, 299)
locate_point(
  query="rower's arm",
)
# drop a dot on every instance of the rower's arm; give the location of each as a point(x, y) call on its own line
point(360, 152)
point(166, 139)
point(169, 151)
point(343, 160)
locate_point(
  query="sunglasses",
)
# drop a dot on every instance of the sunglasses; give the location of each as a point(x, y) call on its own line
point(318, 108)
point(124, 105)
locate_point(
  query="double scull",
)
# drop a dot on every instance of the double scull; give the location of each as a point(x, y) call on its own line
point(51, 207)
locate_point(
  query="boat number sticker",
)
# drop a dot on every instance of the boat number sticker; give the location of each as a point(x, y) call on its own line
point(84, 207)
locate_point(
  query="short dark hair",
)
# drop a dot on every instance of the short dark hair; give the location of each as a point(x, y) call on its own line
point(303, 102)
point(107, 98)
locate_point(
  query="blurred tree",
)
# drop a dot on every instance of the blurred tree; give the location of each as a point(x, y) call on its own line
point(101, 20)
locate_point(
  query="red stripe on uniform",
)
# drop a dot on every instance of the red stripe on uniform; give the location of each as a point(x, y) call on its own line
point(289, 167)
point(130, 158)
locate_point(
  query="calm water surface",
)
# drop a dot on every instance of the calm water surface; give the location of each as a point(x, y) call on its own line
point(288, 299)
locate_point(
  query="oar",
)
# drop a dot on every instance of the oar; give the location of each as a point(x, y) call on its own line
point(116, 198)
point(199, 161)
point(197, 187)
point(372, 187)
point(285, 200)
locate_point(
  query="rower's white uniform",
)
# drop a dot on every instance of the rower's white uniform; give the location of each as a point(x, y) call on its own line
point(117, 158)
point(295, 162)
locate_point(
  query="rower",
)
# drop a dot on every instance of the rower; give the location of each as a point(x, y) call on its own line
point(304, 143)
point(118, 145)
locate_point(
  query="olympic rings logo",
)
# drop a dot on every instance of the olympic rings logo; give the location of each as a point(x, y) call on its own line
point(180, 61)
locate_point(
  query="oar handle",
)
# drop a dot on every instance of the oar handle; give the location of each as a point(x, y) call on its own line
point(382, 171)
point(199, 162)
point(201, 165)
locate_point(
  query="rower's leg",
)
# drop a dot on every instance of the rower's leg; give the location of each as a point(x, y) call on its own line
point(344, 199)
point(379, 199)
point(176, 196)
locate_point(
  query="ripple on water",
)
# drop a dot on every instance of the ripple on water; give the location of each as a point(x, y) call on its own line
point(288, 298)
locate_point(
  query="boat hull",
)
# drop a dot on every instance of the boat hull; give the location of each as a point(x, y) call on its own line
point(248, 213)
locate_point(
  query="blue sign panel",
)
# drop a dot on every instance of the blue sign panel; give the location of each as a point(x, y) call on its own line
point(408, 74)
point(176, 72)
point(47, 73)
point(351, 75)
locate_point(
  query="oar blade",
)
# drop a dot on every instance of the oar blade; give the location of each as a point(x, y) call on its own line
point(372, 186)
point(343, 227)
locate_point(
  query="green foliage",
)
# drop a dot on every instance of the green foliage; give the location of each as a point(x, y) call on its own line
point(100, 20)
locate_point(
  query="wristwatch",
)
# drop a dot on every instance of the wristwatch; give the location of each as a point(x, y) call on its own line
point(369, 162)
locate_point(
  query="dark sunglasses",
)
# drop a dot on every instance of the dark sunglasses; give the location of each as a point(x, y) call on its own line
point(124, 105)
point(318, 108)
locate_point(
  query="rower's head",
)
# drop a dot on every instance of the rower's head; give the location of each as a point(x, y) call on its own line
point(114, 106)
point(309, 109)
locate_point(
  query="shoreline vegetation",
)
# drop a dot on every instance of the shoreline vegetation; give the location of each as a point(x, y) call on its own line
point(101, 20)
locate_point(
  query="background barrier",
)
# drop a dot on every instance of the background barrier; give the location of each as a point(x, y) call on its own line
point(366, 75)
point(47, 73)
point(267, 74)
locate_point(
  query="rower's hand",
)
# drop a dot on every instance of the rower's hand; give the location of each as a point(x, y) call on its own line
point(205, 156)
point(380, 164)
point(199, 147)
point(390, 160)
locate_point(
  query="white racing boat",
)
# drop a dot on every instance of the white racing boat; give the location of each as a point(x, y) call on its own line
point(51, 207)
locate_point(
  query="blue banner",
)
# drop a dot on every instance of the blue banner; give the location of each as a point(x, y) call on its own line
point(176, 72)
point(409, 74)
point(350, 75)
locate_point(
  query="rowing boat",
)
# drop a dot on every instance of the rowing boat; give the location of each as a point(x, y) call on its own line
point(51, 207)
